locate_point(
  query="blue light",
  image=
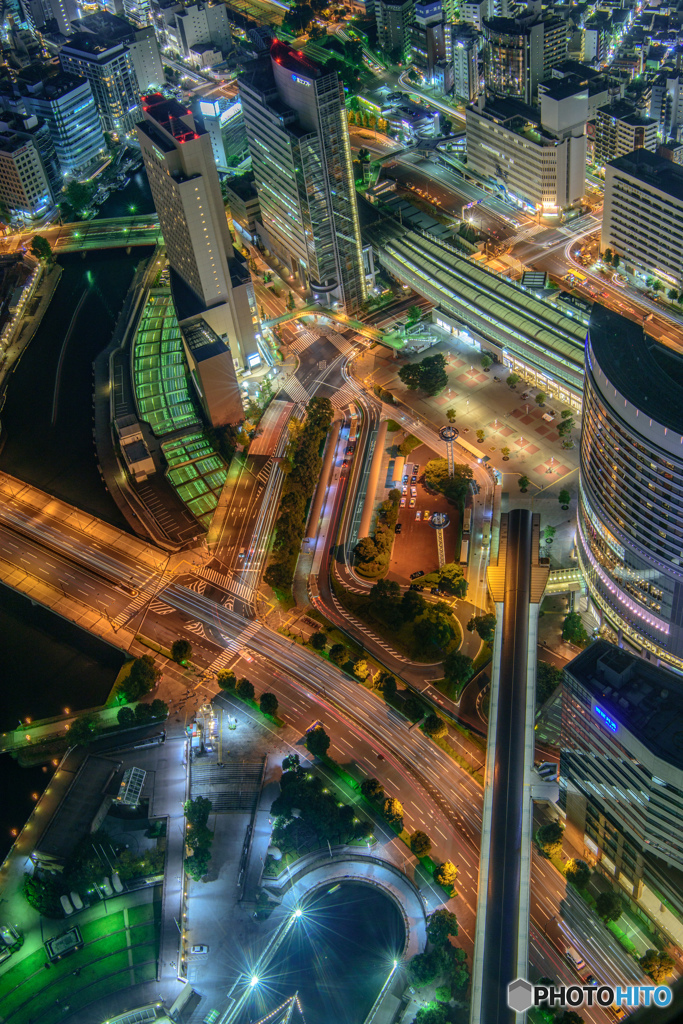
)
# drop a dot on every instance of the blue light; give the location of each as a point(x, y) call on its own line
point(609, 722)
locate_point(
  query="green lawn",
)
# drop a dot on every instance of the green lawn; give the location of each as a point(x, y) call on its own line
point(30, 991)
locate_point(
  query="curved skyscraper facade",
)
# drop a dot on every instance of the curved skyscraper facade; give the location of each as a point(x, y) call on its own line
point(630, 522)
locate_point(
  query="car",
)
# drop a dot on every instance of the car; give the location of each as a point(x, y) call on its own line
point(413, 479)
point(404, 490)
point(575, 959)
point(434, 590)
point(199, 949)
point(405, 478)
point(416, 469)
point(403, 502)
point(413, 492)
point(426, 515)
point(591, 980)
point(398, 527)
point(411, 504)
point(418, 515)
point(414, 575)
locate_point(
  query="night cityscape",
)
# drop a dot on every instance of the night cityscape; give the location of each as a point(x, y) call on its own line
point(341, 512)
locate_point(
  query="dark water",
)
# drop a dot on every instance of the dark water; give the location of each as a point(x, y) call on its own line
point(47, 665)
point(339, 955)
point(135, 198)
point(48, 415)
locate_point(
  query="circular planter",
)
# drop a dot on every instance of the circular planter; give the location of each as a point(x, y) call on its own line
point(549, 541)
point(524, 489)
point(564, 507)
point(506, 458)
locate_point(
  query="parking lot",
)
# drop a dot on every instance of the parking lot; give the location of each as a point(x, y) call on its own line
point(415, 546)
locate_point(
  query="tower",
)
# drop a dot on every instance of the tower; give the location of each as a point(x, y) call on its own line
point(301, 156)
point(209, 278)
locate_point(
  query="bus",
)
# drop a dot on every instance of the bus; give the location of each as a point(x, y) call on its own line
point(467, 522)
point(464, 552)
point(486, 535)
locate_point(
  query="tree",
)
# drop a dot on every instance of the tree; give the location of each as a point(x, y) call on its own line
point(513, 378)
point(83, 731)
point(607, 256)
point(318, 640)
point(433, 374)
point(505, 452)
point(392, 810)
point(317, 742)
point(573, 629)
point(458, 670)
point(564, 497)
point(565, 428)
point(291, 763)
point(486, 361)
point(197, 811)
point(480, 436)
point(658, 965)
point(548, 678)
point(657, 286)
point(426, 967)
point(41, 248)
point(141, 678)
point(523, 483)
point(245, 689)
point(432, 1013)
point(485, 626)
point(125, 717)
point(78, 195)
point(181, 651)
point(578, 873)
point(373, 790)
point(569, 1017)
point(268, 703)
point(450, 578)
point(435, 727)
point(410, 375)
point(290, 301)
point(361, 670)
point(549, 838)
point(616, 260)
point(226, 679)
point(440, 926)
point(43, 895)
point(338, 654)
point(549, 532)
point(540, 398)
point(420, 844)
point(450, 415)
point(609, 905)
point(387, 682)
point(446, 874)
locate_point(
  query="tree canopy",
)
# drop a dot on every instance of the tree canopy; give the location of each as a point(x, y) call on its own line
point(455, 488)
point(429, 374)
point(485, 626)
point(317, 741)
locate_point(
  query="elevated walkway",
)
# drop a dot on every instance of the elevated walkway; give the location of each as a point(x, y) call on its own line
point(517, 582)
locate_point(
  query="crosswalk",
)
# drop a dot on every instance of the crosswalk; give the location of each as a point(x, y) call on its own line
point(196, 627)
point(228, 582)
point(340, 342)
point(135, 605)
point(302, 341)
point(213, 576)
point(296, 391)
point(263, 475)
point(234, 646)
point(343, 396)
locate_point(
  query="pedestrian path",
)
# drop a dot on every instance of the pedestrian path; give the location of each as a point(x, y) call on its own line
point(296, 391)
point(129, 611)
point(233, 646)
point(228, 582)
point(344, 396)
point(302, 341)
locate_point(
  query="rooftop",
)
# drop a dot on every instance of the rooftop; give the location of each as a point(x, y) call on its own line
point(202, 340)
point(91, 45)
point(645, 372)
point(74, 816)
point(171, 116)
point(294, 60)
point(643, 698)
point(624, 111)
point(653, 170)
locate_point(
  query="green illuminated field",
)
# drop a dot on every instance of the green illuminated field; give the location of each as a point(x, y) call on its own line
point(120, 950)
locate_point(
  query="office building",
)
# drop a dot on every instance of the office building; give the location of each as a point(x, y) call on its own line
point(475, 12)
point(630, 521)
point(108, 67)
point(212, 371)
point(203, 24)
point(520, 52)
point(67, 106)
point(40, 133)
point(301, 157)
point(24, 185)
point(595, 41)
point(642, 216)
point(138, 12)
point(602, 89)
point(245, 209)
point(428, 37)
point(394, 18)
point(163, 14)
point(141, 43)
point(43, 14)
point(465, 43)
point(539, 159)
point(666, 103)
point(223, 120)
point(621, 771)
point(208, 276)
point(619, 130)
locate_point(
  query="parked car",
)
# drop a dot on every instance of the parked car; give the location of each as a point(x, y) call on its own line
point(434, 590)
point(416, 469)
point(413, 479)
point(414, 575)
point(405, 478)
point(398, 527)
point(413, 492)
point(199, 949)
point(403, 502)
point(412, 502)
point(418, 515)
point(426, 515)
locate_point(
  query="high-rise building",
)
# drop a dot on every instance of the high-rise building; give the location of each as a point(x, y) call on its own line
point(428, 37)
point(666, 103)
point(41, 13)
point(475, 12)
point(394, 18)
point(209, 277)
point(540, 159)
point(642, 216)
point(465, 43)
point(108, 67)
point(67, 106)
point(619, 130)
point(24, 186)
point(138, 12)
point(203, 23)
point(29, 124)
point(224, 123)
point(621, 771)
point(630, 521)
point(299, 143)
point(141, 43)
point(521, 51)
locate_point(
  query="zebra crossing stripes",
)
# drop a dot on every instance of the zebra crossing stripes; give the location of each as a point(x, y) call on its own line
point(135, 605)
point(242, 590)
point(373, 636)
point(340, 342)
point(234, 646)
point(343, 396)
point(296, 391)
point(196, 627)
point(265, 471)
point(213, 576)
point(302, 341)
point(229, 583)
